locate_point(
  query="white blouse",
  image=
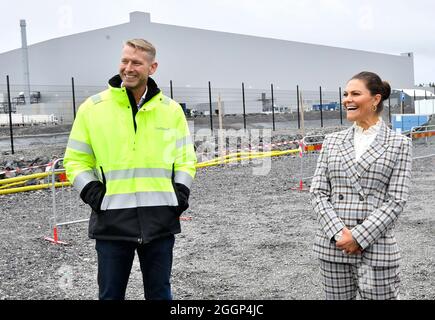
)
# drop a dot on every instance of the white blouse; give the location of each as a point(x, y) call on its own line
point(363, 138)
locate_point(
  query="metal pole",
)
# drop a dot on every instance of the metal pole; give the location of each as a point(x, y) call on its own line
point(341, 108)
point(10, 114)
point(244, 110)
point(211, 112)
point(401, 102)
point(414, 102)
point(389, 109)
point(73, 97)
point(301, 176)
point(170, 86)
point(321, 107)
point(53, 198)
point(298, 102)
point(273, 109)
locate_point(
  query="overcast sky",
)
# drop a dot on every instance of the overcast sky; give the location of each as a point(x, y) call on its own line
point(386, 26)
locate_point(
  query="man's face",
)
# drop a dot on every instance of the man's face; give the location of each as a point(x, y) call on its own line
point(135, 67)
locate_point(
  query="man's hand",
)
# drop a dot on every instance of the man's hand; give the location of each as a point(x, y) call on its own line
point(347, 243)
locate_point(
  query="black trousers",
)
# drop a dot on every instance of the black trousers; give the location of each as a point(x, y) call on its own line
point(115, 259)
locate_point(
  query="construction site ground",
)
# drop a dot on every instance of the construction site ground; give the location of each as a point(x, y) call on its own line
point(250, 236)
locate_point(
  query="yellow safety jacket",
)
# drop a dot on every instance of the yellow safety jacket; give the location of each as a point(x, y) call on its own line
point(135, 160)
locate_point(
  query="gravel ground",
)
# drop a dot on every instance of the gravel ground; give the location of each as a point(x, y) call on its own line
point(250, 237)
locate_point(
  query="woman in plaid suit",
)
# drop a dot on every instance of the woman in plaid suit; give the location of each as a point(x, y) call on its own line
point(358, 191)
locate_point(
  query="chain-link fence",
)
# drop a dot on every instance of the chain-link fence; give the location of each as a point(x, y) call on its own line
point(272, 107)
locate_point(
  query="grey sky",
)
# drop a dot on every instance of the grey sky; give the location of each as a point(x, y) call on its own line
point(387, 26)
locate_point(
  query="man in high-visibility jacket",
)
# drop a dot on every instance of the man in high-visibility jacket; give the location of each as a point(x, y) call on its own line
point(131, 157)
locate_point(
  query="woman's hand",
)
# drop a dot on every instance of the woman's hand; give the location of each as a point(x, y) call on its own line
point(347, 243)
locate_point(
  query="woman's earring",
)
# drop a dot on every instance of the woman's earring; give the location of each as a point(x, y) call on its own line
point(375, 107)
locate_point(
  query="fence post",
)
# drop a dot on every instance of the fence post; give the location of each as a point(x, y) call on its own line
point(73, 97)
point(170, 86)
point(341, 108)
point(273, 108)
point(301, 151)
point(244, 110)
point(299, 115)
point(402, 103)
point(389, 109)
point(10, 114)
point(321, 108)
point(211, 109)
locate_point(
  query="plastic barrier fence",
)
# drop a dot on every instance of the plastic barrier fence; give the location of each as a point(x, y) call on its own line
point(309, 149)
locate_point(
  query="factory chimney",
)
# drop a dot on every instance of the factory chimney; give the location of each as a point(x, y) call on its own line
point(25, 60)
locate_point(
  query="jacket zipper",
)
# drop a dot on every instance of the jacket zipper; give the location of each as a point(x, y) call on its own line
point(134, 111)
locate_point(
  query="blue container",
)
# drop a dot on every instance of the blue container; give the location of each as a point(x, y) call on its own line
point(405, 122)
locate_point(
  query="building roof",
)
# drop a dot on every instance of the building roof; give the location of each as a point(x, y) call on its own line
point(418, 92)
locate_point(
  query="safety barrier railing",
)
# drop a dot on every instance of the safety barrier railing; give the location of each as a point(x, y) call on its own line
point(418, 132)
point(65, 198)
point(309, 149)
point(423, 135)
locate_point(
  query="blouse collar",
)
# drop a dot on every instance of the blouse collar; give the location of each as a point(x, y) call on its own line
point(374, 129)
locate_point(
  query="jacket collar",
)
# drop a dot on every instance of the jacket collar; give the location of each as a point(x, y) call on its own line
point(356, 169)
point(115, 87)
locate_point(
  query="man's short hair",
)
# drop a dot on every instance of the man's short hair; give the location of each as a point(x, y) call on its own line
point(142, 45)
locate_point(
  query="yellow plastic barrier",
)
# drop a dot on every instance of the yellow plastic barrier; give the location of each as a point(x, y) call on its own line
point(5, 184)
point(249, 154)
point(240, 157)
point(28, 177)
point(12, 184)
point(235, 157)
point(35, 187)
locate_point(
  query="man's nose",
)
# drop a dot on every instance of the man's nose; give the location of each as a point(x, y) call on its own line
point(128, 66)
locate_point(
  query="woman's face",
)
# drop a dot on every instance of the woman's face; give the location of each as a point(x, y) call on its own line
point(359, 102)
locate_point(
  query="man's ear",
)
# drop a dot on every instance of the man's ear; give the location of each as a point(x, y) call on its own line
point(153, 67)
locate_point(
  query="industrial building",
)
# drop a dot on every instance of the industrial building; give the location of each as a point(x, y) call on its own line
point(191, 58)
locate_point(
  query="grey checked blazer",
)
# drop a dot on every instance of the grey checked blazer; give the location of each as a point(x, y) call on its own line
point(366, 196)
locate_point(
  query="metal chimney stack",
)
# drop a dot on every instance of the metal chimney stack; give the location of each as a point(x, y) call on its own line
point(25, 60)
